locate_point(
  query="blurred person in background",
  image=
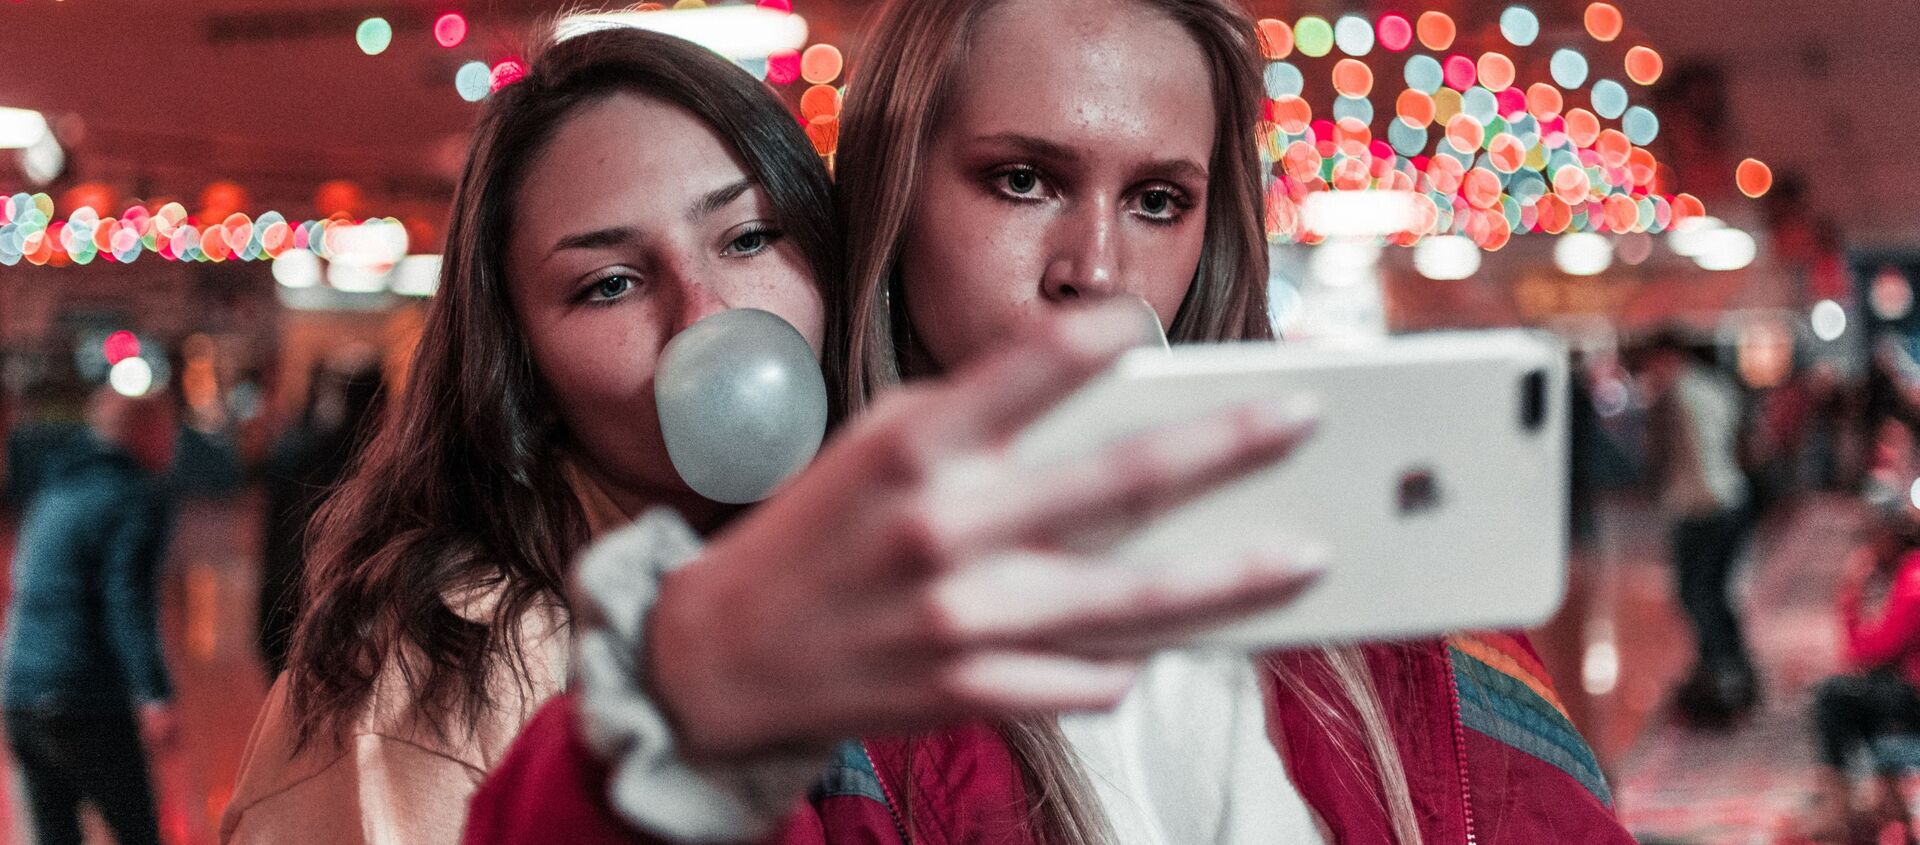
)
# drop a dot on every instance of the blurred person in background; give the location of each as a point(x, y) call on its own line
point(1596, 464)
point(343, 403)
point(85, 687)
point(43, 428)
point(1693, 441)
point(1879, 610)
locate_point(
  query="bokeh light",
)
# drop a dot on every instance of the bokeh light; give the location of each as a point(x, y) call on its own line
point(450, 29)
point(1424, 73)
point(821, 64)
point(1436, 30)
point(819, 100)
point(1292, 114)
point(1644, 65)
point(374, 35)
point(473, 81)
point(1353, 35)
point(1583, 254)
point(1604, 21)
point(1414, 108)
point(120, 346)
point(1313, 36)
point(1358, 108)
point(1891, 295)
point(131, 377)
point(1753, 177)
point(824, 132)
point(1446, 104)
point(1519, 26)
point(1465, 133)
point(1829, 320)
point(1284, 80)
point(1483, 106)
point(1395, 32)
point(1276, 39)
point(1569, 69)
point(1496, 71)
point(1544, 101)
point(506, 72)
point(1583, 128)
point(1641, 124)
point(783, 67)
point(1609, 99)
point(1352, 78)
point(1446, 258)
point(1461, 72)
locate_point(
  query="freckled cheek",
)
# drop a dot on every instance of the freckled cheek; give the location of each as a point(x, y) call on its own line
point(594, 371)
point(1162, 265)
point(972, 259)
point(993, 251)
point(786, 288)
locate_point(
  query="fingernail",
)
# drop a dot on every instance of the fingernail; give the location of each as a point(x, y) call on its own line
point(1306, 561)
point(1312, 556)
point(1110, 326)
point(1152, 334)
point(1290, 412)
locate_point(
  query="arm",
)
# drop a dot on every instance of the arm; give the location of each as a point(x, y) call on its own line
point(893, 586)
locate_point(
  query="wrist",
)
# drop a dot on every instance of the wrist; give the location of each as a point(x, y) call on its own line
point(687, 670)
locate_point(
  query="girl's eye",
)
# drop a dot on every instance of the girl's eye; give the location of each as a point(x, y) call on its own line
point(1160, 205)
point(609, 288)
point(1021, 182)
point(753, 242)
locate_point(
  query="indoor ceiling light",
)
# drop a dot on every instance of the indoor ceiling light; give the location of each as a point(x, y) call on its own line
point(21, 128)
point(736, 32)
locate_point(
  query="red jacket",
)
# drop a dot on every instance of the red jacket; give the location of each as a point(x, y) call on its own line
point(1892, 636)
point(1490, 756)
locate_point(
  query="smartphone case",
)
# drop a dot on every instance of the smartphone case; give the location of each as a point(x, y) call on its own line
point(1436, 478)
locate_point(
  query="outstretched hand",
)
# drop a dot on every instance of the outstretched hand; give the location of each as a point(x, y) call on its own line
point(917, 574)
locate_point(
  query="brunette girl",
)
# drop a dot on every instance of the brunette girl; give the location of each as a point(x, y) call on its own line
point(629, 186)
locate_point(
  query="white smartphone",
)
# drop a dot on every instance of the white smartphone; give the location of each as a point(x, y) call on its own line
point(1436, 479)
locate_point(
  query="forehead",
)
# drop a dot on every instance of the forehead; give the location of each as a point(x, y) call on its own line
point(620, 158)
point(1110, 74)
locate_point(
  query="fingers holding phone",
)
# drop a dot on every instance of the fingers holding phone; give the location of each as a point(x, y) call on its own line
point(920, 572)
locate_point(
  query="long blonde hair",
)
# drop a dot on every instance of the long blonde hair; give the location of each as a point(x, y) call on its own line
point(897, 91)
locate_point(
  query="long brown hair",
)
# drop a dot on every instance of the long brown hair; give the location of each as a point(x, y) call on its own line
point(464, 484)
point(904, 80)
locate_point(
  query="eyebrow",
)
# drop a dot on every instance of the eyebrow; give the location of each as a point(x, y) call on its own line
point(614, 236)
point(597, 239)
point(1043, 148)
point(718, 199)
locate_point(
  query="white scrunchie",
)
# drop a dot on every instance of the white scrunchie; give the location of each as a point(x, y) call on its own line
point(652, 788)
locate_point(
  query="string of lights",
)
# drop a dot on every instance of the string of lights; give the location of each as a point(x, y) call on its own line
point(1522, 136)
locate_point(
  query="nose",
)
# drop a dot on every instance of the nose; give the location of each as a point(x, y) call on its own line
point(698, 299)
point(1084, 263)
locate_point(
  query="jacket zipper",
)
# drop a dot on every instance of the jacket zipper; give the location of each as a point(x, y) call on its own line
point(893, 803)
point(1459, 744)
